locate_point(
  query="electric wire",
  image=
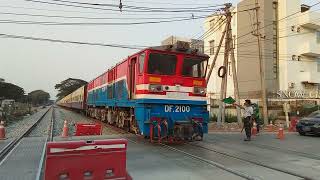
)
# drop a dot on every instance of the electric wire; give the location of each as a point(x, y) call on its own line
point(129, 10)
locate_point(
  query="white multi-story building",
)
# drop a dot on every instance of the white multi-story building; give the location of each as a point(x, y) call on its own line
point(290, 33)
point(299, 39)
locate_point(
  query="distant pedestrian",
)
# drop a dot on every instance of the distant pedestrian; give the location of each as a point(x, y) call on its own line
point(247, 115)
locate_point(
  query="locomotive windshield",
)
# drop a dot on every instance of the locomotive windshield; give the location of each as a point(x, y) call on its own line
point(193, 67)
point(162, 64)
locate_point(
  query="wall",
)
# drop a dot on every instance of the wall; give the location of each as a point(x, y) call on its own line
point(248, 56)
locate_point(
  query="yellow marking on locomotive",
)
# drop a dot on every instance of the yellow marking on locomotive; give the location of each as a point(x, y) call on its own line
point(155, 79)
point(197, 83)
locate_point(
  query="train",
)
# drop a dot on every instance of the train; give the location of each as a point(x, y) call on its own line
point(157, 92)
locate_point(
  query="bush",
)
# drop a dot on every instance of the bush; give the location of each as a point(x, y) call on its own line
point(306, 110)
point(272, 118)
point(213, 118)
point(229, 118)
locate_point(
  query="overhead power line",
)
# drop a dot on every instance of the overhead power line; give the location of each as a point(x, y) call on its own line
point(244, 35)
point(129, 10)
point(167, 3)
point(92, 12)
point(10, 21)
point(91, 18)
point(138, 7)
point(71, 42)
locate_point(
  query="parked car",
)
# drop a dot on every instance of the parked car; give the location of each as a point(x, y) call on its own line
point(309, 124)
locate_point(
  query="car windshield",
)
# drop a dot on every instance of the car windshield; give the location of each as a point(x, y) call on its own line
point(194, 67)
point(162, 64)
point(315, 114)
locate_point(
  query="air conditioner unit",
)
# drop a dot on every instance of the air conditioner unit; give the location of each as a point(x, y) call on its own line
point(291, 85)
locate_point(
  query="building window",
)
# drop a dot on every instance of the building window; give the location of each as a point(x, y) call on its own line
point(318, 67)
point(318, 36)
point(211, 47)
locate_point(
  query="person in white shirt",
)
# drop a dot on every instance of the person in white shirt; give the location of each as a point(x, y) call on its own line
point(247, 115)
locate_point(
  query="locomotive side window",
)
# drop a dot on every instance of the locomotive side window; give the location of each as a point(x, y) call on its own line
point(141, 62)
point(193, 67)
point(162, 64)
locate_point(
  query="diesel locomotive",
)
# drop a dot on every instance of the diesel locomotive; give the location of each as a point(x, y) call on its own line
point(158, 91)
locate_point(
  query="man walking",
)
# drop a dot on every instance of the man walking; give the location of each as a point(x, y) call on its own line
point(247, 122)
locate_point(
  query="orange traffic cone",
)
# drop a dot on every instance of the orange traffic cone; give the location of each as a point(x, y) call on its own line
point(280, 132)
point(65, 129)
point(270, 127)
point(254, 130)
point(2, 131)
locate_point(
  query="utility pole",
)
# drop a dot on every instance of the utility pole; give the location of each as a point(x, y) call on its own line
point(235, 77)
point(262, 68)
point(229, 50)
point(211, 69)
point(224, 81)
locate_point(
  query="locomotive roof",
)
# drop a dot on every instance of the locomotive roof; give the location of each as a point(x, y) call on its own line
point(168, 48)
point(164, 48)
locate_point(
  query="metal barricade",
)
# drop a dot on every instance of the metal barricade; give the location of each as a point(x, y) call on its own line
point(86, 160)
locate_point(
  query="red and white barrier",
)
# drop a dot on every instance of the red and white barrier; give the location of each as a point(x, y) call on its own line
point(73, 160)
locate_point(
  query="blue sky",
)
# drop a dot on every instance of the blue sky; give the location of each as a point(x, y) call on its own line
point(40, 65)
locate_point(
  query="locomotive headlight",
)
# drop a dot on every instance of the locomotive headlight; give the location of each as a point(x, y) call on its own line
point(155, 88)
point(199, 90)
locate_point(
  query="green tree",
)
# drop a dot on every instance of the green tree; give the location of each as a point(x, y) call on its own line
point(68, 86)
point(11, 91)
point(38, 97)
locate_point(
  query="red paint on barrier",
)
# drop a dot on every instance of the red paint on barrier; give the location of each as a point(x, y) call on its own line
point(83, 129)
point(94, 160)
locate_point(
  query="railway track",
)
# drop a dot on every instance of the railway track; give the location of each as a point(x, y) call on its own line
point(210, 162)
point(205, 159)
point(253, 162)
point(283, 150)
point(198, 158)
point(9, 147)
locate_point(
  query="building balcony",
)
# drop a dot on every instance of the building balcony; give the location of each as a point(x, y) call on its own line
point(310, 20)
point(310, 48)
point(310, 77)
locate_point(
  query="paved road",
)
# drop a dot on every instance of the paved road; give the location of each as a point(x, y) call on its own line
point(147, 161)
point(264, 158)
point(296, 154)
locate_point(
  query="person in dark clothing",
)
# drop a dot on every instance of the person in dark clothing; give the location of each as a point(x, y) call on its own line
point(247, 115)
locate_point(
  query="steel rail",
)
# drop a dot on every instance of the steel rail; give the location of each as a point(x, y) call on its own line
point(200, 159)
point(7, 149)
point(212, 163)
point(44, 150)
point(254, 162)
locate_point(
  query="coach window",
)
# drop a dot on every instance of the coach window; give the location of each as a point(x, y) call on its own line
point(162, 64)
point(193, 67)
point(141, 62)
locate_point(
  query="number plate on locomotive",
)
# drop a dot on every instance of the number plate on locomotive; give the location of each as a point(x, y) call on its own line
point(176, 108)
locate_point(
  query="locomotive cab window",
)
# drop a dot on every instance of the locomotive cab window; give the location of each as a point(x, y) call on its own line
point(162, 64)
point(141, 62)
point(193, 67)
